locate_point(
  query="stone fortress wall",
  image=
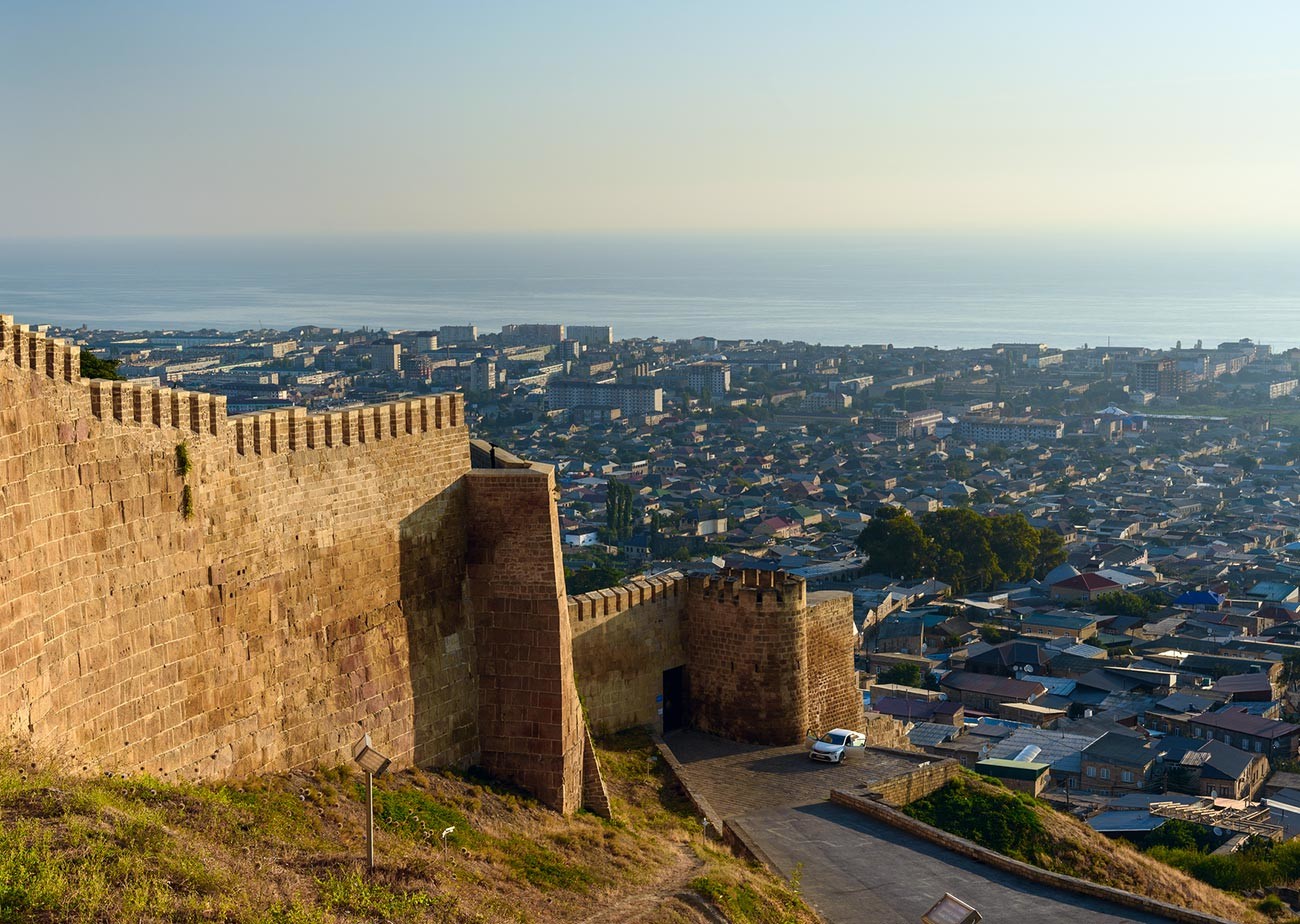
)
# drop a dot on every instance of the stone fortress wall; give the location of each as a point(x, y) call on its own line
point(259, 631)
point(624, 638)
point(187, 593)
point(311, 583)
point(764, 660)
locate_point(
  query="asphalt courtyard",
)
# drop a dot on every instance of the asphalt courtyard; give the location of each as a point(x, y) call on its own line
point(851, 868)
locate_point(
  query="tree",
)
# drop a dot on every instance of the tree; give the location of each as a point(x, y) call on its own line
point(599, 576)
point(1291, 668)
point(1123, 603)
point(959, 469)
point(618, 509)
point(962, 553)
point(95, 367)
point(906, 675)
point(1016, 543)
point(894, 543)
point(1051, 551)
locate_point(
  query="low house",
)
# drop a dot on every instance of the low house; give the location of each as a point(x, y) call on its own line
point(1083, 587)
point(1009, 659)
point(1116, 763)
point(1025, 775)
point(985, 693)
point(1070, 625)
point(1246, 688)
point(1274, 592)
point(1212, 768)
point(1030, 714)
point(1062, 751)
point(1234, 725)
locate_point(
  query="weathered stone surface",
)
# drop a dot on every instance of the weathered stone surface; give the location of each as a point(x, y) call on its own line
point(313, 593)
point(298, 580)
point(764, 660)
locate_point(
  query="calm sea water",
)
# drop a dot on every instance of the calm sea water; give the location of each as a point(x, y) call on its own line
point(943, 291)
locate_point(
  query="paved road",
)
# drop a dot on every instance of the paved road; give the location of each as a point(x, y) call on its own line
point(854, 869)
point(857, 870)
point(738, 778)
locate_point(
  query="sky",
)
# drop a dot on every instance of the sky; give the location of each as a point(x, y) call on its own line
point(312, 116)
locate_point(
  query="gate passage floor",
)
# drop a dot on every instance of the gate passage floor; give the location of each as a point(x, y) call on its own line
point(853, 869)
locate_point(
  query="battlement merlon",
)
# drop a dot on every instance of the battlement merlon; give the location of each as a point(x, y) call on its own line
point(266, 433)
point(32, 350)
point(294, 429)
point(602, 604)
point(758, 588)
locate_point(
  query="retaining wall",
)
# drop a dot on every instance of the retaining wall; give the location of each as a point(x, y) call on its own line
point(897, 819)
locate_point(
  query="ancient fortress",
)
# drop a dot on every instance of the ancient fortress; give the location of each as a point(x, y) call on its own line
point(187, 593)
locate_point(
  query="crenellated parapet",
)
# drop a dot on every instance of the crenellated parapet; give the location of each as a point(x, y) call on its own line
point(149, 406)
point(586, 610)
point(760, 590)
point(29, 349)
point(293, 429)
point(272, 432)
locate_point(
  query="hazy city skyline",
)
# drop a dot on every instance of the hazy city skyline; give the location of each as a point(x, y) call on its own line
point(155, 119)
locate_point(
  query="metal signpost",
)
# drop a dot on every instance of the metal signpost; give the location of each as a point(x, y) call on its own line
point(374, 763)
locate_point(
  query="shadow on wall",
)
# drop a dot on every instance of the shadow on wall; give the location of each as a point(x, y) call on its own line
point(440, 634)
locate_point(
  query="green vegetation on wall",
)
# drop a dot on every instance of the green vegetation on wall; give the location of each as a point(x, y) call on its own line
point(183, 463)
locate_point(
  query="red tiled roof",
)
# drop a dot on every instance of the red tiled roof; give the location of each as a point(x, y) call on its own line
point(1088, 581)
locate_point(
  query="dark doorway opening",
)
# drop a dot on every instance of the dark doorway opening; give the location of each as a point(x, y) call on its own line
point(674, 698)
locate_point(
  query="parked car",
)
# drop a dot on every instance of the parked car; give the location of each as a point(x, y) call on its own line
point(832, 746)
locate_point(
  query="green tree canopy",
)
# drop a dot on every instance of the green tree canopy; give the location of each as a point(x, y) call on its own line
point(598, 577)
point(95, 367)
point(619, 509)
point(963, 554)
point(960, 547)
point(1051, 551)
point(907, 675)
point(1123, 603)
point(1016, 543)
point(894, 543)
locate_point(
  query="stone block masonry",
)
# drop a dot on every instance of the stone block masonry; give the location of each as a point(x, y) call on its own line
point(834, 700)
point(315, 590)
point(764, 660)
point(285, 583)
point(746, 656)
point(531, 725)
point(288, 581)
point(624, 638)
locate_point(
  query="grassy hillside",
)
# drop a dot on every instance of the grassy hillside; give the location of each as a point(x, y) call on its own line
point(288, 849)
point(1027, 829)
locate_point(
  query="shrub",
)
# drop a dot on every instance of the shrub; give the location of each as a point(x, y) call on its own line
point(1000, 819)
point(183, 463)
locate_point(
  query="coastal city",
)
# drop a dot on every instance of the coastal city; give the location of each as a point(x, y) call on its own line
point(596, 463)
point(1075, 570)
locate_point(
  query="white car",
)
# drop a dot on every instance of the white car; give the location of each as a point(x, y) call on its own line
point(832, 746)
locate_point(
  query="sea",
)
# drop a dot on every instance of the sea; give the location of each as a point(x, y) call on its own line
point(908, 290)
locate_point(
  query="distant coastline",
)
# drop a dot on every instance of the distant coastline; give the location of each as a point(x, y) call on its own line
point(851, 289)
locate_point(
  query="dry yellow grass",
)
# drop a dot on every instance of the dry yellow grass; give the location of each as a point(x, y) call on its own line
point(287, 849)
